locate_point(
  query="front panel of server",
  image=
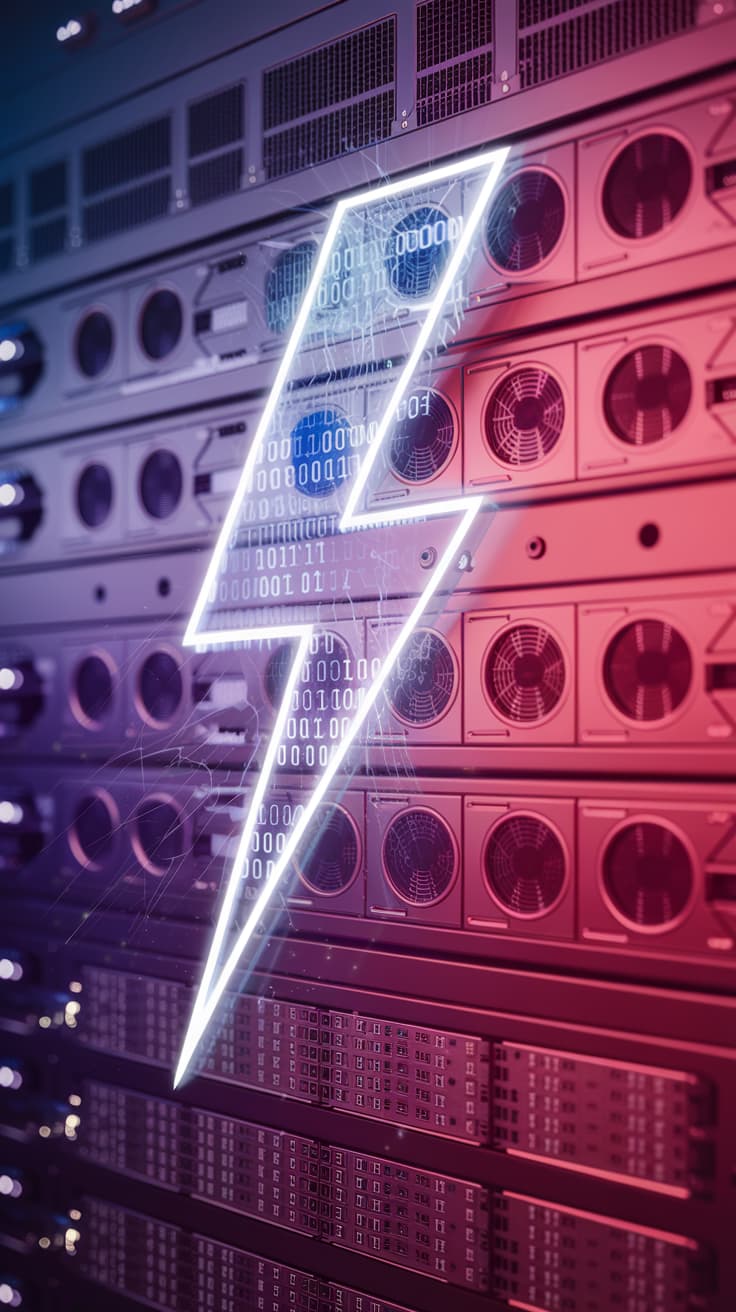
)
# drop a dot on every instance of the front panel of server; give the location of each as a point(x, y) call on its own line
point(368, 657)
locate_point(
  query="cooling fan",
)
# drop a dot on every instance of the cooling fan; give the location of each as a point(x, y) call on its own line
point(94, 343)
point(422, 440)
point(159, 834)
point(525, 221)
point(286, 283)
point(160, 688)
point(647, 395)
point(332, 853)
point(647, 185)
point(419, 856)
point(525, 866)
point(525, 674)
point(424, 681)
point(94, 494)
point(93, 831)
point(417, 250)
point(647, 875)
point(94, 689)
point(320, 445)
point(524, 416)
point(160, 484)
point(647, 670)
point(325, 674)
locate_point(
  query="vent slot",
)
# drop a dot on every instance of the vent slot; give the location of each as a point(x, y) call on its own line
point(452, 90)
point(215, 177)
point(216, 121)
point(7, 251)
point(7, 207)
point(345, 70)
point(128, 210)
point(446, 31)
point(47, 239)
point(332, 135)
point(132, 155)
point(47, 188)
point(599, 33)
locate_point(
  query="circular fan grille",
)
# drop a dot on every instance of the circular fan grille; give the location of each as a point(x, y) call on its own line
point(320, 444)
point(647, 395)
point(325, 675)
point(159, 834)
point(94, 494)
point(524, 416)
point(647, 875)
point(331, 861)
point(160, 687)
point(525, 865)
point(422, 438)
point(161, 323)
point(161, 483)
point(94, 344)
point(419, 856)
point(424, 681)
point(417, 251)
point(93, 830)
point(647, 185)
point(525, 673)
point(647, 670)
point(286, 283)
point(93, 688)
point(525, 221)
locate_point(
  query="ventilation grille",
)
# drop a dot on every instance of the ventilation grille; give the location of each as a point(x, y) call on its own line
point(47, 239)
point(525, 674)
point(128, 210)
point(350, 73)
point(419, 855)
point(600, 32)
point(47, 189)
point(525, 865)
point(647, 875)
point(215, 177)
point(345, 70)
point(447, 83)
point(331, 859)
point(525, 416)
point(447, 29)
point(147, 149)
point(423, 684)
point(648, 670)
point(216, 121)
point(322, 139)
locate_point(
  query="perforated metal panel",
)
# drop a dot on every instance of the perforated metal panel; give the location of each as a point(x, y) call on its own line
point(349, 73)
point(597, 32)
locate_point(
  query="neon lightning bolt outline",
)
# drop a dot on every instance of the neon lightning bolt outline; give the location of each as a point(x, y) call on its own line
point(211, 990)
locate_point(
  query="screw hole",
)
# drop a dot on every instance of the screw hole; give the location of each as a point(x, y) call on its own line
point(100, 592)
point(164, 587)
point(535, 548)
point(649, 535)
point(427, 557)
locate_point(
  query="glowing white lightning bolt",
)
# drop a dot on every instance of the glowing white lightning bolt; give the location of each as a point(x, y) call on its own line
point(211, 989)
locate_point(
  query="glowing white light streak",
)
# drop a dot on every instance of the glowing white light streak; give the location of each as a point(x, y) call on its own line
point(211, 990)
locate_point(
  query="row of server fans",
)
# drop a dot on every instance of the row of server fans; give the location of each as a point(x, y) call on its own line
point(483, 1047)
